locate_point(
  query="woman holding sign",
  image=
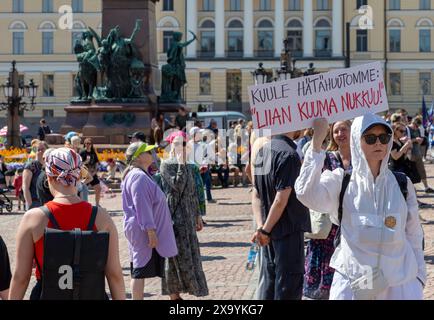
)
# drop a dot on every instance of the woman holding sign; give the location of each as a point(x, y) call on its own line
point(379, 255)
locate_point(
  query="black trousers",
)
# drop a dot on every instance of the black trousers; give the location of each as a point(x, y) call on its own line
point(282, 268)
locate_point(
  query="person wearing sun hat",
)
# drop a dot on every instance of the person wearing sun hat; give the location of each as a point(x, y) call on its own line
point(147, 220)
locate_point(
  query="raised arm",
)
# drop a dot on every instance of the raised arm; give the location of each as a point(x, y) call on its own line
point(316, 190)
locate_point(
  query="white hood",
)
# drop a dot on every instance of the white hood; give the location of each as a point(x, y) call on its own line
point(358, 159)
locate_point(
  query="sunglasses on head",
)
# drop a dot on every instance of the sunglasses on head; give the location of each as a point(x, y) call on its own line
point(372, 138)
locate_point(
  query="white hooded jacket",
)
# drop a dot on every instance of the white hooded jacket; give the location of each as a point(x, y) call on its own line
point(366, 204)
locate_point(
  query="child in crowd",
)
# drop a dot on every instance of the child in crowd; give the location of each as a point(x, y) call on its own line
point(18, 186)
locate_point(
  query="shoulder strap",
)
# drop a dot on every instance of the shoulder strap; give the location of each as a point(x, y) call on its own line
point(401, 178)
point(76, 264)
point(50, 216)
point(92, 218)
point(345, 182)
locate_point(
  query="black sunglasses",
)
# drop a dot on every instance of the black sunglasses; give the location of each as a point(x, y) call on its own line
point(372, 138)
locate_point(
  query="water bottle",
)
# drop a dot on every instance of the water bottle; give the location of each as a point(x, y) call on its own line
point(251, 259)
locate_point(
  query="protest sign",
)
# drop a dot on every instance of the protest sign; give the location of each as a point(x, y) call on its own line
point(337, 95)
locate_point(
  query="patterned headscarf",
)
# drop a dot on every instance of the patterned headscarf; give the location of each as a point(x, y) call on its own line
point(65, 165)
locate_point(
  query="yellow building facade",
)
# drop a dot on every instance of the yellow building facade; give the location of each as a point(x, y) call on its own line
point(233, 37)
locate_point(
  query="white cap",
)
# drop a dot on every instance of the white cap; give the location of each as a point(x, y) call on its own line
point(194, 130)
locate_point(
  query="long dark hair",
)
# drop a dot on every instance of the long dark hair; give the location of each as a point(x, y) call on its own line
point(89, 140)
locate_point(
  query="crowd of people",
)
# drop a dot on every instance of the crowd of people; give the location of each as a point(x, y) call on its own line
point(164, 202)
point(353, 179)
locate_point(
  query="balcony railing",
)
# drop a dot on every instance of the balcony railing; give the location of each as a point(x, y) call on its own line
point(234, 54)
point(205, 54)
point(264, 53)
point(323, 53)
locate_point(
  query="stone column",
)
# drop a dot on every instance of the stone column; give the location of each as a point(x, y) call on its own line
point(191, 25)
point(279, 27)
point(248, 29)
point(219, 29)
point(337, 28)
point(307, 29)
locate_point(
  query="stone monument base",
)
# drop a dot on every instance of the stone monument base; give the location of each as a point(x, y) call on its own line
point(108, 123)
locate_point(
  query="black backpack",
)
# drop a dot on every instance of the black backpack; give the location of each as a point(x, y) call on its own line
point(401, 178)
point(74, 262)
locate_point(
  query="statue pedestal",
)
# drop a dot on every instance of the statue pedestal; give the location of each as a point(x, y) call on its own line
point(108, 123)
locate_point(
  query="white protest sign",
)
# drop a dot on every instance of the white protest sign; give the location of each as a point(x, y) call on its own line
point(337, 95)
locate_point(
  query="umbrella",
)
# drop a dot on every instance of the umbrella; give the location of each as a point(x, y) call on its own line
point(4, 130)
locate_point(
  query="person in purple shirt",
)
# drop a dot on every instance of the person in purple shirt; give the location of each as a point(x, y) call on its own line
point(147, 220)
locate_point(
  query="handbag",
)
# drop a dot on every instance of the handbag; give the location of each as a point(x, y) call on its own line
point(320, 225)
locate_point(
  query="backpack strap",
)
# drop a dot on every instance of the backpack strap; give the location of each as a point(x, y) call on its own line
point(76, 264)
point(92, 218)
point(401, 178)
point(345, 182)
point(50, 216)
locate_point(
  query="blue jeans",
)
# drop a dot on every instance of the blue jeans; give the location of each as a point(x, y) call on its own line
point(206, 178)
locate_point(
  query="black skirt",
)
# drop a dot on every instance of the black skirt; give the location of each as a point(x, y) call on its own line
point(154, 268)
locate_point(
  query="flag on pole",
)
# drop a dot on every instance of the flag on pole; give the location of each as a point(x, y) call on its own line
point(431, 113)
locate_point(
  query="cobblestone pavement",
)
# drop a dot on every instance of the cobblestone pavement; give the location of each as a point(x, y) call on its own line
point(225, 244)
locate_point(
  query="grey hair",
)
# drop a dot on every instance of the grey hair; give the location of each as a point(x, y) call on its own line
point(131, 164)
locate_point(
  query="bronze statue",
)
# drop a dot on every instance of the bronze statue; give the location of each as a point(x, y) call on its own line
point(88, 64)
point(118, 63)
point(173, 73)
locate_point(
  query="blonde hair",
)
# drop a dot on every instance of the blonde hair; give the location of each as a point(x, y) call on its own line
point(129, 153)
point(333, 146)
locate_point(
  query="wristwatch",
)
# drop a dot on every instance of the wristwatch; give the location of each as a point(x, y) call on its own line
point(268, 234)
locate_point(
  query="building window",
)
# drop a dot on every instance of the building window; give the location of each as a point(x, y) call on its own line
point(167, 40)
point(168, 5)
point(207, 42)
point(425, 40)
point(235, 38)
point(77, 5)
point(208, 5)
point(235, 5)
point(395, 84)
point(294, 5)
point(18, 42)
point(323, 38)
point(425, 83)
point(205, 83)
point(295, 37)
point(425, 4)
point(322, 5)
point(394, 4)
point(47, 6)
point(47, 42)
point(18, 6)
point(395, 40)
point(48, 85)
point(361, 3)
point(47, 113)
point(362, 40)
point(265, 5)
point(233, 89)
point(265, 39)
point(75, 37)
point(207, 39)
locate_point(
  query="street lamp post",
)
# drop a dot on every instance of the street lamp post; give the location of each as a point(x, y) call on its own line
point(260, 75)
point(14, 91)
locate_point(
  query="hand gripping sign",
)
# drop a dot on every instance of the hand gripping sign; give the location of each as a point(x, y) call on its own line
point(337, 95)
